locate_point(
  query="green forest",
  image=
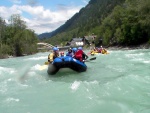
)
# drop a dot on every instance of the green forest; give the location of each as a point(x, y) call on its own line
point(116, 22)
point(15, 38)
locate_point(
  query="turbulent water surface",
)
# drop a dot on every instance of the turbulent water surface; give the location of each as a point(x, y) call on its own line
point(115, 83)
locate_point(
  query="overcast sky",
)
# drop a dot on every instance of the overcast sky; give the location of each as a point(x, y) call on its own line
point(41, 15)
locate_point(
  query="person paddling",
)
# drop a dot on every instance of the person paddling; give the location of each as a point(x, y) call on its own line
point(84, 56)
point(80, 55)
point(74, 50)
point(53, 55)
point(62, 54)
point(69, 53)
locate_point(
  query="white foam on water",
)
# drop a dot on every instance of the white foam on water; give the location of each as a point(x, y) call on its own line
point(31, 73)
point(89, 94)
point(6, 70)
point(75, 85)
point(141, 60)
point(116, 68)
point(10, 99)
point(3, 87)
point(134, 55)
point(24, 85)
point(146, 61)
point(91, 82)
point(37, 58)
point(36, 67)
point(137, 59)
point(3, 90)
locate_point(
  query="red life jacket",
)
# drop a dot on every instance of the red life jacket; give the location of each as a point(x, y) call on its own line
point(100, 50)
point(78, 55)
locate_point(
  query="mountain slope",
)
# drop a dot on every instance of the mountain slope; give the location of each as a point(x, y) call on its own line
point(92, 13)
point(116, 22)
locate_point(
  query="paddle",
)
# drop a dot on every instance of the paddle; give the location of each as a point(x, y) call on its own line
point(46, 63)
point(94, 58)
point(43, 67)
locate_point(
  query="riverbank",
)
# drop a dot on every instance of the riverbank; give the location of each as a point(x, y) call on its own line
point(142, 46)
point(11, 56)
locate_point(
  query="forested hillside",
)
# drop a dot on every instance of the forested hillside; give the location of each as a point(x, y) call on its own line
point(117, 22)
point(15, 38)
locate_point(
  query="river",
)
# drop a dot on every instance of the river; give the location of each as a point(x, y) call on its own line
point(118, 82)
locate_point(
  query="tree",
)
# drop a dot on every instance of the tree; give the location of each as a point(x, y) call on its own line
point(2, 30)
point(15, 38)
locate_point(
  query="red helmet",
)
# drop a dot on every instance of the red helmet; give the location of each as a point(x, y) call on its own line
point(62, 53)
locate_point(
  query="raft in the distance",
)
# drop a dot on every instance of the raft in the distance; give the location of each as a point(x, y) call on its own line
point(66, 62)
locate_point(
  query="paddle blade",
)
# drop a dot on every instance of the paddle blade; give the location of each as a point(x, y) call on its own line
point(46, 63)
point(94, 58)
point(43, 67)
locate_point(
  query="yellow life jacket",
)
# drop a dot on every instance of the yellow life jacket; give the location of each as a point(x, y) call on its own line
point(51, 57)
point(104, 51)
